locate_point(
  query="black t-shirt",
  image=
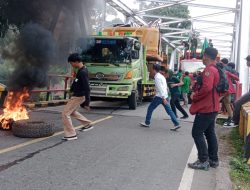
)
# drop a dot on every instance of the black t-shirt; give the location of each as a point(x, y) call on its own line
point(80, 85)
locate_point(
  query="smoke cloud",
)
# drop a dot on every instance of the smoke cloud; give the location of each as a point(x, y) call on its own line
point(31, 53)
point(52, 32)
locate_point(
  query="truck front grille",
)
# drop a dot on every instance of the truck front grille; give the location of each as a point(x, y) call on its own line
point(106, 77)
point(98, 90)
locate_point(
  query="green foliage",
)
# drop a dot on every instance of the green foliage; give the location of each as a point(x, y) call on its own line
point(45, 12)
point(177, 11)
point(58, 69)
point(6, 69)
point(240, 171)
point(15, 12)
point(6, 66)
point(9, 37)
point(112, 13)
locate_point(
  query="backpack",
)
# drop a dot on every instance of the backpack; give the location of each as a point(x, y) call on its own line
point(222, 85)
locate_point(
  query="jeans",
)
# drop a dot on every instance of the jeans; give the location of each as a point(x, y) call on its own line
point(175, 102)
point(204, 124)
point(154, 104)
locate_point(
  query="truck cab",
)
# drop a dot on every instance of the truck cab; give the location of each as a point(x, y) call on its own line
point(118, 61)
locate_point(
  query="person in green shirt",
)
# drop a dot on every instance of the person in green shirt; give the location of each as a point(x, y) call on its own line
point(185, 88)
point(179, 74)
point(173, 84)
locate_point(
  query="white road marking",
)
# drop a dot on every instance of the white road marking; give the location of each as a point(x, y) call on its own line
point(187, 177)
point(15, 147)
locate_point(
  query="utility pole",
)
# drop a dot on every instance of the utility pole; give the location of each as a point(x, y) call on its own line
point(244, 44)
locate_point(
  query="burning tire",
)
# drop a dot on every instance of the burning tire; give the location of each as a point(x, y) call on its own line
point(32, 129)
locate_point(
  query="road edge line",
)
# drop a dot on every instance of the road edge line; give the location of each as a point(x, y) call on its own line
point(188, 174)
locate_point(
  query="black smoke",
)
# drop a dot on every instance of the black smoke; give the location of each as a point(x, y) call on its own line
point(49, 31)
point(32, 53)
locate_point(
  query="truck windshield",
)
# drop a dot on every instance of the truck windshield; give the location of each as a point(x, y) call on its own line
point(112, 51)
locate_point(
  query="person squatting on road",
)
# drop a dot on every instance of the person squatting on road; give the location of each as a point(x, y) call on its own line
point(174, 87)
point(161, 97)
point(80, 93)
point(205, 106)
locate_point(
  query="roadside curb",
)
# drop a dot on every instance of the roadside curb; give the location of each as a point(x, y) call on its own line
point(223, 181)
point(45, 104)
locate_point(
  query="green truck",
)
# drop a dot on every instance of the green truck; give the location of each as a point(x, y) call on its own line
point(119, 61)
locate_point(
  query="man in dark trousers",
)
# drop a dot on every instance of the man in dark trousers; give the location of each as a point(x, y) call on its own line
point(174, 87)
point(205, 106)
point(80, 93)
point(227, 97)
point(194, 43)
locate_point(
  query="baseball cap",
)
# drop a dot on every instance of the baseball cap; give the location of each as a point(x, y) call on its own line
point(248, 58)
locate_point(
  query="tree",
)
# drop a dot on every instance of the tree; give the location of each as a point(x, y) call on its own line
point(45, 12)
point(177, 11)
point(113, 14)
point(17, 13)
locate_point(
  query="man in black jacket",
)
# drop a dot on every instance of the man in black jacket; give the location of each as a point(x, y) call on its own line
point(80, 93)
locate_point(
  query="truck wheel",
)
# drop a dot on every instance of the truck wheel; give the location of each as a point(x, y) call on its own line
point(32, 129)
point(132, 100)
point(237, 106)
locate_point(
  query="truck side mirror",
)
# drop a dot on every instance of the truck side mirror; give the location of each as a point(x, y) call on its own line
point(137, 46)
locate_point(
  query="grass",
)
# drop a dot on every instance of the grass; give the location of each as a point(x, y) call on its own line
point(240, 170)
point(220, 121)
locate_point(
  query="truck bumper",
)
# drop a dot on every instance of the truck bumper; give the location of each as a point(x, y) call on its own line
point(110, 90)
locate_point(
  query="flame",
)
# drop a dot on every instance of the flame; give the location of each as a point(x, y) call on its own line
point(14, 109)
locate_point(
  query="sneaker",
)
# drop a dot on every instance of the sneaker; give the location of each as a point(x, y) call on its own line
point(198, 165)
point(70, 138)
point(213, 164)
point(144, 125)
point(175, 128)
point(229, 124)
point(184, 117)
point(86, 128)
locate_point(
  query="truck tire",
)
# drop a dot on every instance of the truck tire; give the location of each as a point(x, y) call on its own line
point(237, 106)
point(32, 129)
point(132, 100)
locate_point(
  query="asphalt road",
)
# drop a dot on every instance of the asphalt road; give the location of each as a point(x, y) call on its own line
point(117, 154)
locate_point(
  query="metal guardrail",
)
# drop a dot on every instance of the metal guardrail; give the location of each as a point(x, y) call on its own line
point(50, 90)
point(244, 128)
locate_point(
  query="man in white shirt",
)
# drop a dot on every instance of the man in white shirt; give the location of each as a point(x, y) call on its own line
point(161, 97)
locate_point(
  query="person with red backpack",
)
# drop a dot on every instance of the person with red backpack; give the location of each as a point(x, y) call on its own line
point(205, 106)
